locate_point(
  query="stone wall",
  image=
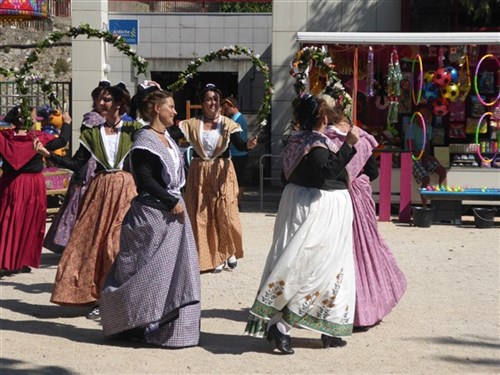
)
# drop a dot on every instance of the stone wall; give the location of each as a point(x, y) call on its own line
point(48, 65)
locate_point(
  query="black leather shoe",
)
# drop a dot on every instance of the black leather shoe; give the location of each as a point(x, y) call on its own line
point(332, 342)
point(232, 265)
point(4, 272)
point(281, 341)
point(25, 269)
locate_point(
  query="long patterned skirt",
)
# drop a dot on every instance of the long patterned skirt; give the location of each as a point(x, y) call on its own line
point(23, 210)
point(154, 283)
point(380, 283)
point(94, 242)
point(309, 273)
point(57, 236)
point(212, 204)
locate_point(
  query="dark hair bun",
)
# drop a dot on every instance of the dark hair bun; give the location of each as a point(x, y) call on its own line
point(139, 96)
point(306, 111)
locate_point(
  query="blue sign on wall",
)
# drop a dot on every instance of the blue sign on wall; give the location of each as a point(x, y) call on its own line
point(127, 29)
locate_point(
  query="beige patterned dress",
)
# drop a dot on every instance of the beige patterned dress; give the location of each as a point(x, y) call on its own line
point(212, 196)
point(94, 241)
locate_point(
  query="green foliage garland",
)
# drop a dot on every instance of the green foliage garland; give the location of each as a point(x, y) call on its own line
point(225, 53)
point(23, 76)
point(319, 58)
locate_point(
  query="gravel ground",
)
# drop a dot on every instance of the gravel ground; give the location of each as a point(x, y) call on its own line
point(447, 322)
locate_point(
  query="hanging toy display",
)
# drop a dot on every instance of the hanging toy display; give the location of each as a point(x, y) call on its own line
point(450, 92)
point(431, 91)
point(394, 78)
point(453, 73)
point(483, 159)
point(394, 75)
point(442, 77)
point(440, 106)
point(486, 104)
point(428, 76)
point(475, 80)
point(370, 92)
point(464, 82)
point(381, 100)
point(424, 135)
point(417, 97)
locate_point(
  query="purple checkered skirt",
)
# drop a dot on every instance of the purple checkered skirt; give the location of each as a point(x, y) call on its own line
point(154, 280)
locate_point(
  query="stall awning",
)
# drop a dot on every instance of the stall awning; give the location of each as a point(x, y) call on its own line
point(398, 38)
point(24, 9)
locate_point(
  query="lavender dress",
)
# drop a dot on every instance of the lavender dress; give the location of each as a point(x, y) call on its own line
point(380, 284)
point(60, 230)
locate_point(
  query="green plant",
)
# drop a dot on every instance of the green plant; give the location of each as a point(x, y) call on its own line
point(61, 66)
point(225, 53)
point(481, 9)
point(318, 57)
point(241, 7)
point(23, 75)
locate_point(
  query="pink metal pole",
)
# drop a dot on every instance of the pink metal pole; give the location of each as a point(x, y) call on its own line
point(384, 211)
point(405, 180)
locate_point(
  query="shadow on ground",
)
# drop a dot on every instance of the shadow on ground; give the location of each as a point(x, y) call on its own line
point(49, 260)
point(27, 288)
point(43, 311)
point(236, 315)
point(470, 341)
point(14, 366)
point(217, 343)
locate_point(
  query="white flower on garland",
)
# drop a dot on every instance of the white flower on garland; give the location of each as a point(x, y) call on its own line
point(223, 53)
point(312, 56)
point(25, 73)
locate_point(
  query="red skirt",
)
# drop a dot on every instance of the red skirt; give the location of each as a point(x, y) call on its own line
point(23, 211)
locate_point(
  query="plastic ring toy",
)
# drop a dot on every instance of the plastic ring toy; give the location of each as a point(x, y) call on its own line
point(475, 81)
point(424, 128)
point(483, 159)
point(417, 99)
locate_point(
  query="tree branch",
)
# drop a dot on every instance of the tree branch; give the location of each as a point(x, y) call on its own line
point(33, 45)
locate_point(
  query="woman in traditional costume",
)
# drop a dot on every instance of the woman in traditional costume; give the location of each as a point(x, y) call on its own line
point(94, 241)
point(308, 280)
point(23, 196)
point(153, 289)
point(212, 187)
point(380, 283)
point(59, 231)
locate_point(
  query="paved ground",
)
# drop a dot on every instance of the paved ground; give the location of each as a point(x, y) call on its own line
point(447, 322)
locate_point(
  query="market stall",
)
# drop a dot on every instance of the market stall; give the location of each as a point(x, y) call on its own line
point(390, 76)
